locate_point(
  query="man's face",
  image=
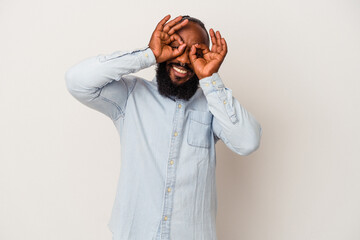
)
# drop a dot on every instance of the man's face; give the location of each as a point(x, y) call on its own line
point(176, 77)
point(180, 69)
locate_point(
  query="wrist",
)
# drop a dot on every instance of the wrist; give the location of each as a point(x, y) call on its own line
point(204, 75)
point(154, 52)
point(147, 57)
point(211, 84)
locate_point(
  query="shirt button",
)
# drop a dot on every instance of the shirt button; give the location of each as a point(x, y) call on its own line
point(165, 218)
point(206, 84)
point(175, 134)
point(171, 162)
point(224, 101)
point(179, 106)
point(213, 82)
point(146, 55)
point(169, 189)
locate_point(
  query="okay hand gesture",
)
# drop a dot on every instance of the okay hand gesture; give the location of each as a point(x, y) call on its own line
point(163, 35)
point(206, 62)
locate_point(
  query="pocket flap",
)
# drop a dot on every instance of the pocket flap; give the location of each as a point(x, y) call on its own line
point(201, 117)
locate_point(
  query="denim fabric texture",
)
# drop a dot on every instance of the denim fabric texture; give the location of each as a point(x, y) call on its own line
point(166, 188)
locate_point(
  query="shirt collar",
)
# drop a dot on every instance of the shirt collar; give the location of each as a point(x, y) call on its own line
point(154, 80)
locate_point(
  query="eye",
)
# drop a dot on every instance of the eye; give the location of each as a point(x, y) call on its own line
point(199, 53)
point(174, 47)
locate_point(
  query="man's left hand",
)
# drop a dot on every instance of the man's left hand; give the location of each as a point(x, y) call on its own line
point(206, 62)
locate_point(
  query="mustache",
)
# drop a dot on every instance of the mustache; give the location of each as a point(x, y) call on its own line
point(179, 65)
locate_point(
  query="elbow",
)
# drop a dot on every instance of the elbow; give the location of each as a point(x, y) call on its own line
point(74, 85)
point(74, 81)
point(248, 149)
point(70, 79)
point(81, 78)
point(249, 144)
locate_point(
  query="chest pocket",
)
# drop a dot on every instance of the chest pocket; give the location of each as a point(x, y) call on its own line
point(199, 131)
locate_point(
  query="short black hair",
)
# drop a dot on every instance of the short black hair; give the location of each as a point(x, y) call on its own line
point(195, 20)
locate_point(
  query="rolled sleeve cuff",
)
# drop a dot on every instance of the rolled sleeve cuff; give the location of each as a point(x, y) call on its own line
point(211, 84)
point(214, 84)
point(146, 57)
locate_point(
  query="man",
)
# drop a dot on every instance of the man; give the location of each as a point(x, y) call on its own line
point(168, 128)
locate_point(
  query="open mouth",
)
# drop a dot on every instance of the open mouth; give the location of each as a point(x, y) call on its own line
point(180, 72)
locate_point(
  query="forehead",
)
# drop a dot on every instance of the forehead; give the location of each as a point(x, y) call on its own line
point(193, 33)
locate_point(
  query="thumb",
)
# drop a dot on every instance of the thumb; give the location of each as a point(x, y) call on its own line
point(192, 54)
point(179, 50)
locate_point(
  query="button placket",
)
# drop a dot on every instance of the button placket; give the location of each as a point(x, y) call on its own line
point(171, 169)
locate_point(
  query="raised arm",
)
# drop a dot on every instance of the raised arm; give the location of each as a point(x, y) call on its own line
point(232, 123)
point(99, 82)
point(102, 82)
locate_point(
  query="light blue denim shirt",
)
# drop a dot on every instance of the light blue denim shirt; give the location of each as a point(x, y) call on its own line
point(166, 188)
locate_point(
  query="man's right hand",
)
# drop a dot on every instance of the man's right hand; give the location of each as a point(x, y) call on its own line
point(163, 35)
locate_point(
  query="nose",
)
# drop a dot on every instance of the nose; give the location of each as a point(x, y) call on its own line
point(184, 57)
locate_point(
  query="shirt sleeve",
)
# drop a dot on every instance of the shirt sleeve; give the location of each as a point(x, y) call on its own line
point(100, 82)
point(232, 123)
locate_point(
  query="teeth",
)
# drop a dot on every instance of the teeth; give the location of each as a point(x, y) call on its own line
point(179, 70)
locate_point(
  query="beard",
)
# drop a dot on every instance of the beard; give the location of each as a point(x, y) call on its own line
point(167, 88)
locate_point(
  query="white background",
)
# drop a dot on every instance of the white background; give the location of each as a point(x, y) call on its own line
point(293, 64)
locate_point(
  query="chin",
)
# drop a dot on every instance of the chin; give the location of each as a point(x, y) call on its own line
point(178, 82)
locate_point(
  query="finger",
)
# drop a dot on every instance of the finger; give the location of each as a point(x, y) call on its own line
point(218, 41)
point(214, 47)
point(170, 24)
point(173, 38)
point(179, 50)
point(224, 47)
point(212, 36)
point(203, 47)
point(176, 37)
point(165, 37)
point(192, 54)
point(160, 25)
point(178, 26)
